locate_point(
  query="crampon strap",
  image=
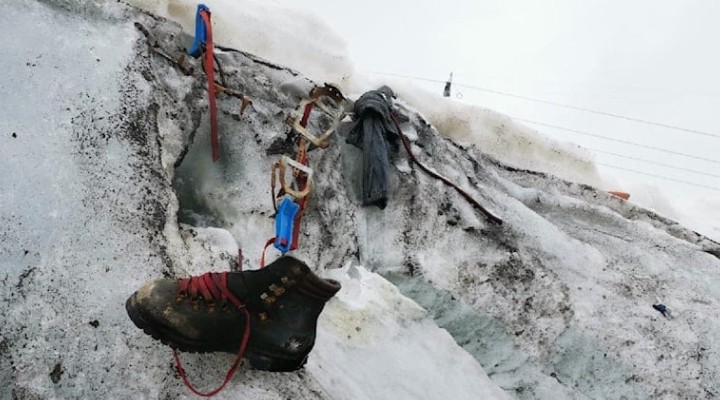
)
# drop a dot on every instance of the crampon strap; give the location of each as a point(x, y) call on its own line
point(210, 72)
point(301, 183)
point(213, 286)
point(204, 38)
point(262, 257)
point(306, 114)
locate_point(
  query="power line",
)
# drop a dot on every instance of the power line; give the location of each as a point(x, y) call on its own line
point(660, 176)
point(604, 137)
point(549, 83)
point(609, 88)
point(654, 162)
point(568, 106)
point(579, 132)
point(607, 114)
point(638, 159)
point(417, 78)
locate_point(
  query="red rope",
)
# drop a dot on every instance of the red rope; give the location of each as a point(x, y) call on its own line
point(213, 286)
point(231, 371)
point(210, 72)
point(445, 180)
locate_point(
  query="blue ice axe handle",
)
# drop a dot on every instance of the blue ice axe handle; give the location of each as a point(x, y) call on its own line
point(284, 221)
point(200, 32)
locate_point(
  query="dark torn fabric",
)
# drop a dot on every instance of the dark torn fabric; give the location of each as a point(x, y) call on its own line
point(372, 131)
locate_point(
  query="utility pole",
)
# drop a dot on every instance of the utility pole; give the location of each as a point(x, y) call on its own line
point(448, 84)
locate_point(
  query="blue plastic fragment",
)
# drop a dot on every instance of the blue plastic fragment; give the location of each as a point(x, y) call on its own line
point(284, 221)
point(200, 32)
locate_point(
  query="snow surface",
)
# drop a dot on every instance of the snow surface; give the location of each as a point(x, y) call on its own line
point(437, 302)
point(298, 39)
point(388, 348)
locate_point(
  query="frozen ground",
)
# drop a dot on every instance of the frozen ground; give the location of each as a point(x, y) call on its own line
point(437, 302)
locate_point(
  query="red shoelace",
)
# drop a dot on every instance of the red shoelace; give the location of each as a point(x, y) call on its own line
point(213, 288)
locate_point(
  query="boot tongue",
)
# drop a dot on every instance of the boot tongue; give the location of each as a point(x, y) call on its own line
point(237, 283)
point(248, 286)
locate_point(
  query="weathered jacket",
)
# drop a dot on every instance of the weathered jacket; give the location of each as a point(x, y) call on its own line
point(372, 130)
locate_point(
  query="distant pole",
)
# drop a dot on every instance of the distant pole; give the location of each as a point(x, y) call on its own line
point(448, 84)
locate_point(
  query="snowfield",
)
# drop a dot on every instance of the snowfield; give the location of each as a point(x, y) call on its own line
point(108, 182)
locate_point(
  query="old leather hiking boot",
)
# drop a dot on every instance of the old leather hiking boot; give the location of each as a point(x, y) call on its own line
point(208, 313)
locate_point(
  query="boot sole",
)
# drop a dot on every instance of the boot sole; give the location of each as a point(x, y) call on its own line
point(259, 359)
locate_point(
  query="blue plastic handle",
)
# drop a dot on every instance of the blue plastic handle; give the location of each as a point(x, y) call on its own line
point(284, 221)
point(200, 32)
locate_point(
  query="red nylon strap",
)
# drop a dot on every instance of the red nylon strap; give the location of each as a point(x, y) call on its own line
point(302, 181)
point(210, 72)
point(306, 114)
point(262, 257)
point(298, 220)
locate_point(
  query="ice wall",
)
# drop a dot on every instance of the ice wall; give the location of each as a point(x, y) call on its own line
point(305, 43)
